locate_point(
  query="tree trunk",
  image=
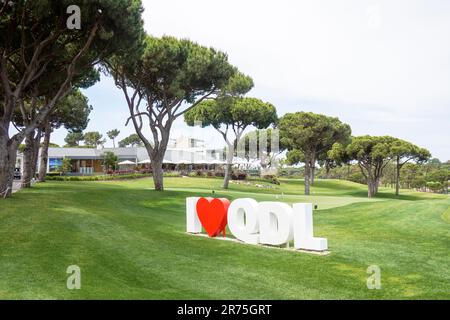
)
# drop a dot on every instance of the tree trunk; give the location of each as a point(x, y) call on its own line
point(8, 155)
point(156, 155)
point(307, 177)
point(327, 170)
point(228, 166)
point(158, 174)
point(397, 177)
point(44, 153)
point(4, 175)
point(312, 169)
point(371, 184)
point(31, 153)
point(28, 156)
point(36, 147)
point(377, 184)
point(371, 189)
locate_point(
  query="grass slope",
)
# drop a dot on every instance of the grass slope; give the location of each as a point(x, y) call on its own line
point(130, 242)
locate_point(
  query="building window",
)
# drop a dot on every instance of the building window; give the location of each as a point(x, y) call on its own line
point(54, 164)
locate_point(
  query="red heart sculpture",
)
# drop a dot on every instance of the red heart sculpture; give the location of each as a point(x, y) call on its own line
point(212, 213)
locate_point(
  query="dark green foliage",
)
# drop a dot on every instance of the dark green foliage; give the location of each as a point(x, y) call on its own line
point(93, 139)
point(113, 134)
point(72, 112)
point(309, 136)
point(372, 155)
point(132, 140)
point(232, 114)
point(73, 139)
point(66, 166)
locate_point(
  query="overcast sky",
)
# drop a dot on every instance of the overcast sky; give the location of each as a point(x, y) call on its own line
point(381, 66)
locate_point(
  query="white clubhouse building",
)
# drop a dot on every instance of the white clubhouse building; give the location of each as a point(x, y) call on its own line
point(87, 161)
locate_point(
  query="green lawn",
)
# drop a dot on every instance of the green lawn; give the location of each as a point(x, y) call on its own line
point(130, 242)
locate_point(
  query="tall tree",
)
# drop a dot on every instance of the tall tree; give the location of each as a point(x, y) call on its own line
point(372, 154)
point(172, 76)
point(66, 166)
point(132, 140)
point(32, 140)
point(410, 174)
point(311, 135)
point(228, 114)
point(113, 134)
point(73, 139)
point(403, 152)
point(438, 179)
point(72, 112)
point(37, 47)
point(30, 154)
point(109, 160)
point(326, 163)
point(93, 139)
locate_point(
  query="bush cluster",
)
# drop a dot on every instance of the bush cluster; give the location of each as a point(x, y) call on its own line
point(239, 175)
point(271, 178)
point(96, 178)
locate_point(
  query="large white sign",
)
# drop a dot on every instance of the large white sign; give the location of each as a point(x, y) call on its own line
point(270, 223)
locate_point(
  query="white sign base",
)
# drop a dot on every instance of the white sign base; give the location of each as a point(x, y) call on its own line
point(285, 248)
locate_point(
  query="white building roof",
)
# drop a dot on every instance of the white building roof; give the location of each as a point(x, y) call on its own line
point(174, 155)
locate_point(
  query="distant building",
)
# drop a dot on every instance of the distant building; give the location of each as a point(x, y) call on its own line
point(184, 142)
point(87, 161)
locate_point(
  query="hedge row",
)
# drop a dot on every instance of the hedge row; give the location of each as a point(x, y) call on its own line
point(98, 178)
point(198, 174)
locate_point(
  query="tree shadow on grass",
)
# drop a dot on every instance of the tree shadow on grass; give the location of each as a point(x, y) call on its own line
point(325, 188)
point(392, 196)
point(346, 188)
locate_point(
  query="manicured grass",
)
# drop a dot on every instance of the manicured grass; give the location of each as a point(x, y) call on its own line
point(130, 242)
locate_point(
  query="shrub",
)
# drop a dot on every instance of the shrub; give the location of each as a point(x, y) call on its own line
point(437, 186)
point(54, 178)
point(357, 177)
point(291, 172)
point(97, 178)
point(271, 178)
point(238, 175)
point(53, 174)
point(172, 174)
point(199, 173)
point(66, 166)
point(219, 174)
